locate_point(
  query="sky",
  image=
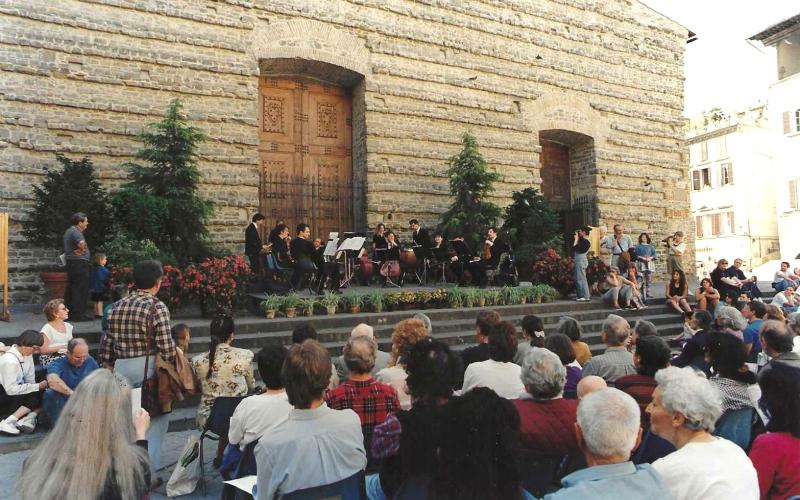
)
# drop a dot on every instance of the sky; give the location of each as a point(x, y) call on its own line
point(723, 69)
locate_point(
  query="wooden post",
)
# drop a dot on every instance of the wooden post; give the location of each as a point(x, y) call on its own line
point(4, 315)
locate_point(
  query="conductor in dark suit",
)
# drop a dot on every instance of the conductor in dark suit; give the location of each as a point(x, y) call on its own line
point(253, 246)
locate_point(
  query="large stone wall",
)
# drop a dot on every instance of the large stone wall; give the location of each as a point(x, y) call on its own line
point(83, 76)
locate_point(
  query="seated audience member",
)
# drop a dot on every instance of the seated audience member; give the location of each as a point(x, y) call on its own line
point(794, 326)
point(778, 342)
point(734, 277)
point(707, 296)
point(256, 414)
point(371, 400)
point(406, 333)
point(19, 392)
point(642, 328)
point(684, 409)
point(607, 432)
point(589, 384)
point(652, 354)
point(730, 320)
point(425, 321)
point(716, 276)
point(477, 456)
point(315, 445)
point(547, 419)
point(223, 371)
point(785, 300)
point(381, 358)
point(98, 448)
point(753, 312)
point(304, 332)
point(499, 372)
point(560, 345)
point(675, 291)
point(775, 313)
point(533, 333)
point(616, 361)
point(480, 352)
point(64, 375)
point(407, 443)
point(57, 332)
point(618, 288)
point(731, 377)
point(570, 327)
point(784, 278)
point(181, 334)
point(776, 454)
point(693, 352)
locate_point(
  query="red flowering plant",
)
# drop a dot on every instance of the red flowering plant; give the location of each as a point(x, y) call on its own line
point(552, 269)
point(171, 291)
point(120, 276)
point(596, 271)
point(217, 283)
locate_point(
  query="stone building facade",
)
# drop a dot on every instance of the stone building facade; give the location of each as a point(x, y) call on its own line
point(371, 94)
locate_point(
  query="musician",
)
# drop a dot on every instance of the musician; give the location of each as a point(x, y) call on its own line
point(442, 254)
point(493, 248)
point(274, 233)
point(253, 246)
point(379, 237)
point(419, 235)
point(309, 260)
point(280, 246)
point(391, 267)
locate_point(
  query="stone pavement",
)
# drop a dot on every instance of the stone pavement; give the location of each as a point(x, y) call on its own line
point(11, 466)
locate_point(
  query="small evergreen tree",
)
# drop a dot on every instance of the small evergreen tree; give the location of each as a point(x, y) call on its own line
point(470, 184)
point(531, 224)
point(72, 188)
point(161, 202)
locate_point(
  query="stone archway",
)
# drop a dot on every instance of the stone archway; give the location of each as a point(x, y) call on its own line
point(312, 151)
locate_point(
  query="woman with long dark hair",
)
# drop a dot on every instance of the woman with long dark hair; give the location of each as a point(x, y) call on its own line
point(645, 262)
point(728, 360)
point(676, 291)
point(707, 296)
point(223, 371)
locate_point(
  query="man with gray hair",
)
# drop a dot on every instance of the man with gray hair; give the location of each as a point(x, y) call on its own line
point(616, 362)
point(778, 341)
point(381, 358)
point(607, 432)
point(63, 376)
point(372, 401)
point(547, 420)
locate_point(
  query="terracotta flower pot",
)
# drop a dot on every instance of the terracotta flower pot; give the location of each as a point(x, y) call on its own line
point(355, 309)
point(270, 313)
point(291, 312)
point(55, 282)
point(331, 310)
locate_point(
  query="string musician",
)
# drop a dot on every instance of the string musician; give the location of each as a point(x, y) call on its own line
point(493, 248)
point(390, 263)
point(280, 245)
point(309, 260)
point(442, 255)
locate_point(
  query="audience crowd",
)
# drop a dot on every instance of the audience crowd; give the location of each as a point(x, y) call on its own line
point(521, 414)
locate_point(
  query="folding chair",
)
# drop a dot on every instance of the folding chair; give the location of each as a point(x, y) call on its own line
point(247, 467)
point(217, 426)
point(351, 488)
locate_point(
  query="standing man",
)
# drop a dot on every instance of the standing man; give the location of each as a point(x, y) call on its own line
point(77, 254)
point(581, 246)
point(419, 235)
point(127, 343)
point(618, 242)
point(253, 246)
point(676, 248)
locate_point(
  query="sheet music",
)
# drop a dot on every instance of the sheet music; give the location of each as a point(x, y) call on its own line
point(354, 243)
point(330, 248)
point(246, 483)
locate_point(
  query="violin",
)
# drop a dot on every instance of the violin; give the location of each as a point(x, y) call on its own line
point(487, 251)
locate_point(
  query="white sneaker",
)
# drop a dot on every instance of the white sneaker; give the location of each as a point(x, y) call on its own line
point(27, 424)
point(7, 427)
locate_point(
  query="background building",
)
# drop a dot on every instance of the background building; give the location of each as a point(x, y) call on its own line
point(733, 188)
point(344, 113)
point(784, 116)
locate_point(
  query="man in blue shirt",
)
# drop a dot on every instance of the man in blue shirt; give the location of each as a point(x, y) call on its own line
point(753, 312)
point(64, 375)
point(608, 430)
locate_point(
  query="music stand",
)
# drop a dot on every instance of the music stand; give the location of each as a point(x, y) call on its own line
point(382, 254)
point(422, 256)
point(350, 247)
point(442, 261)
point(462, 250)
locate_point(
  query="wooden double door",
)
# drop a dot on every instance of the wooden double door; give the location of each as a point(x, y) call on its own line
point(305, 151)
point(557, 189)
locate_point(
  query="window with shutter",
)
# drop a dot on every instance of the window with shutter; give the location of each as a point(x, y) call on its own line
point(797, 120)
point(698, 222)
point(793, 194)
point(704, 151)
point(731, 225)
point(716, 223)
point(722, 147)
point(725, 174)
point(787, 124)
point(696, 180)
point(706, 178)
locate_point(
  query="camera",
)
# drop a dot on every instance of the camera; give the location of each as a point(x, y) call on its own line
point(667, 239)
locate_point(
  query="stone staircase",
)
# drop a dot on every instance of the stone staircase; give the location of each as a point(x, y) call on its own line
point(454, 326)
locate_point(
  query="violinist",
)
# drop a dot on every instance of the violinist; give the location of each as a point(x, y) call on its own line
point(391, 267)
point(280, 245)
point(274, 233)
point(442, 255)
point(493, 248)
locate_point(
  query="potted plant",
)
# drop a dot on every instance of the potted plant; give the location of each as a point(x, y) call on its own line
point(271, 305)
point(407, 299)
point(550, 294)
point(330, 301)
point(423, 297)
point(290, 304)
point(470, 296)
point(537, 292)
point(455, 297)
point(480, 300)
point(439, 297)
point(72, 188)
point(307, 305)
point(355, 301)
point(508, 295)
point(493, 297)
point(375, 300)
point(390, 300)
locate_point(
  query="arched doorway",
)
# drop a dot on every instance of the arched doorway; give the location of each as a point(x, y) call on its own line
point(305, 145)
point(568, 173)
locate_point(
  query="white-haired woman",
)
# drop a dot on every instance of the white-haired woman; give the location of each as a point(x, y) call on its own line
point(97, 450)
point(684, 410)
point(730, 320)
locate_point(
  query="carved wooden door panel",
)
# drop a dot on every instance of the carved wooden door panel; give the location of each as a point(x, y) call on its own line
point(555, 174)
point(306, 155)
